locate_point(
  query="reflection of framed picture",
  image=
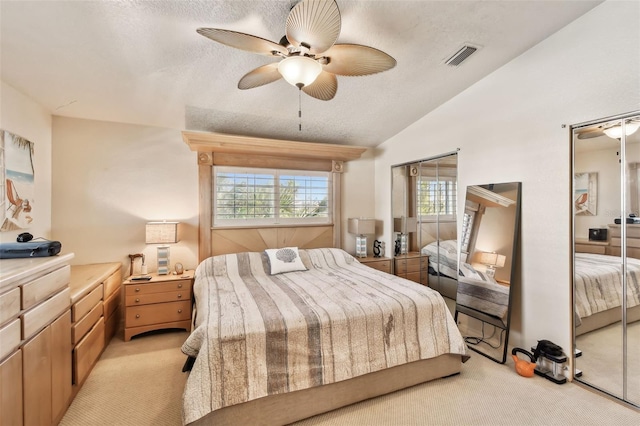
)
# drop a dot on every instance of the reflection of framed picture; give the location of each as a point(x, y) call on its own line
point(585, 195)
point(17, 186)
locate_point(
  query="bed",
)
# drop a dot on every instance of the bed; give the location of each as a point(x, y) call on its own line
point(598, 291)
point(274, 349)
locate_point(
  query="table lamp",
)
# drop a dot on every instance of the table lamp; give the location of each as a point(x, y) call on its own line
point(404, 225)
point(492, 260)
point(361, 227)
point(162, 233)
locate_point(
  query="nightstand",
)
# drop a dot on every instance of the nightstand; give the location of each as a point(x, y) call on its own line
point(164, 301)
point(380, 263)
point(412, 266)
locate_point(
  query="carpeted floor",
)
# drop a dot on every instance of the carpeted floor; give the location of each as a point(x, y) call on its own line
point(140, 383)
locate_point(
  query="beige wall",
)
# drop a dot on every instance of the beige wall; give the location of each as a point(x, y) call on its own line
point(24, 117)
point(509, 127)
point(109, 179)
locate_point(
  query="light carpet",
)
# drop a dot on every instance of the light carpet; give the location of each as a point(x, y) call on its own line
point(140, 383)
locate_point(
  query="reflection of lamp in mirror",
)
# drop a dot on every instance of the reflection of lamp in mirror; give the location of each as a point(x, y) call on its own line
point(492, 260)
point(162, 233)
point(361, 227)
point(404, 225)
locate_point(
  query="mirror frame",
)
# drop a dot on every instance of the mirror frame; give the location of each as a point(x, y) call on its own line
point(486, 318)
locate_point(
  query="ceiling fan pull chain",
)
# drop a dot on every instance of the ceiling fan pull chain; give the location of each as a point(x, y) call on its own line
point(300, 108)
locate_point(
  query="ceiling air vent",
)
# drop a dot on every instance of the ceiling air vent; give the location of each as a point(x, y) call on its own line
point(461, 55)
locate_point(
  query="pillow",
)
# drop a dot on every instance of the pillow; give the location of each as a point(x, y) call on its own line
point(285, 259)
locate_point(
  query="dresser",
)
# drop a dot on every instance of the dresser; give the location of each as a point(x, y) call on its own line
point(35, 340)
point(162, 302)
point(380, 263)
point(95, 300)
point(412, 266)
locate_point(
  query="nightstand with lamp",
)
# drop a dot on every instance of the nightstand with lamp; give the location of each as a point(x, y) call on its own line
point(362, 227)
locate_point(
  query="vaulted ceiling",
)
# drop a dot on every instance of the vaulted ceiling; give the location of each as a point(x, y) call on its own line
point(142, 62)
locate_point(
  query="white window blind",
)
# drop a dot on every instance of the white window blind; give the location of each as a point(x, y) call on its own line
point(250, 196)
point(436, 196)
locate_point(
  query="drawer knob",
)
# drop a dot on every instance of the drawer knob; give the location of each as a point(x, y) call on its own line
point(179, 311)
point(137, 315)
point(180, 296)
point(179, 285)
point(137, 289)
point(137, 300)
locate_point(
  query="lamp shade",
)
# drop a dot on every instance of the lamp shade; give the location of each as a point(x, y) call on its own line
point(161, 232)
point(299, 70)
point(491, 259)
point(405, 225)
point(362, 226)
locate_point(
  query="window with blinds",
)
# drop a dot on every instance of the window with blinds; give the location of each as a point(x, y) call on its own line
point(436, 197)
point(250, 196)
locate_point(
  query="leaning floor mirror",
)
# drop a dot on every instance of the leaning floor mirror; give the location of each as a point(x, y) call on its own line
point(488, 243)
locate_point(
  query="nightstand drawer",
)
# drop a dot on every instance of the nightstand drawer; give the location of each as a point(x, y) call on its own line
point(380, 265)
point(411, 265)
point(183, 285)
point(422, 278)
point(80, 328)
point(154, 314)
point(87, 303)
point(147, 299)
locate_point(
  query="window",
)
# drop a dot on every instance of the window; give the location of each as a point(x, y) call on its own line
point(436, 197)
point(251, 196)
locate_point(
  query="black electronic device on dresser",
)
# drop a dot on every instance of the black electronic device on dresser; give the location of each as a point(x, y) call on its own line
point(597, 234)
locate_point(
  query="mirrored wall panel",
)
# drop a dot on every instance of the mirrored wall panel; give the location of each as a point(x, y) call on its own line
point(606, 255)
point(424, 203)
point(487, 262)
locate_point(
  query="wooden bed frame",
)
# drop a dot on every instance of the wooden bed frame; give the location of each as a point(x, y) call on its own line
point(290, 407)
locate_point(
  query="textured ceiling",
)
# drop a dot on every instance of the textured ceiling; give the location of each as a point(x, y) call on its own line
point(142, 62)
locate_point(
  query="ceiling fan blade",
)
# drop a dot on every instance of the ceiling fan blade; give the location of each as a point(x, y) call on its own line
point(314, 24)
point(590, 134)
point(243, 41)
point(355, 59)
point(323, 88)
point(260, 76)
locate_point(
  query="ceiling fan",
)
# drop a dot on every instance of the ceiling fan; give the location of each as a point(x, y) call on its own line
point(310, 59)
point(612, 130)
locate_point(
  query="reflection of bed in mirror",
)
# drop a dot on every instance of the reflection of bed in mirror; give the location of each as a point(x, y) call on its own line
point(598, 290)
point(443, 256)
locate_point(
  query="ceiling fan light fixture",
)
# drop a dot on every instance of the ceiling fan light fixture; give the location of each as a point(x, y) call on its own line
point(299, 71)
point(615, 132)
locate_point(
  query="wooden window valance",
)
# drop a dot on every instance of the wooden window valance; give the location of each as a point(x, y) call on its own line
point(245, 151)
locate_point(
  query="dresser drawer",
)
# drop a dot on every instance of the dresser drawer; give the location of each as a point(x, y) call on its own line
point(80, 328)
point(9, 305)
point(111, 304)
point(40, 289)
point(9, 337)
point(112, 284)
point(418, 277)
point(87, 352)
point(155, 314)
point(133, 289)
point(38, 317)
point(146, 299)
point(87, 303)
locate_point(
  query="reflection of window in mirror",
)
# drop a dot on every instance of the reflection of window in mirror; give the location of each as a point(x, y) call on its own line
point(633, 175)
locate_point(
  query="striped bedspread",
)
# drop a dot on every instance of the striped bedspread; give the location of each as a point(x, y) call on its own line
point(258, 334)
point(598, 283)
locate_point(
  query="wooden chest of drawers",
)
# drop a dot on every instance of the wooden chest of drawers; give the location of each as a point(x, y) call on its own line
point(162, 302)
point(412, 266)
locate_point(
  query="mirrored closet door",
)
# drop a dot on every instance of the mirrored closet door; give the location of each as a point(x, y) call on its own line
point(424, 222)
point(606, 255)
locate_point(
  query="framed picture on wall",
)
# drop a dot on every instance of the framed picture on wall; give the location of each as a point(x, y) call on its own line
point(17, 187)
point(585, 195)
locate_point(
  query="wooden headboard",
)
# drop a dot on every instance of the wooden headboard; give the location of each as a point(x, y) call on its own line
point(430, 231)
point(243, 151)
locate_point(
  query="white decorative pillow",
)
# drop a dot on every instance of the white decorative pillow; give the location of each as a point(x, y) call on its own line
point(285, 259)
